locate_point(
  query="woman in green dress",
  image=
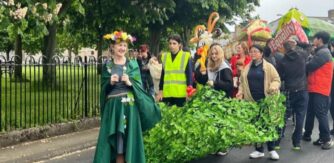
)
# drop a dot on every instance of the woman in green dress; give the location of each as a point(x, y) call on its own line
point(126, 109)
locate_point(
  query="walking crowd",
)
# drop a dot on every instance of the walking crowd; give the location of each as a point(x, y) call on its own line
point(302, 72)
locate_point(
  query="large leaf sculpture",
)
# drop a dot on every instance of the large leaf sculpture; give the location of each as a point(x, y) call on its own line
point(210, 122)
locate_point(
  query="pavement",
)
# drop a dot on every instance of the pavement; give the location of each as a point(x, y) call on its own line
point(46, 149)
point(79, 147)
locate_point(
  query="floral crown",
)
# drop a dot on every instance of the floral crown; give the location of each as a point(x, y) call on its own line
point(118, 36)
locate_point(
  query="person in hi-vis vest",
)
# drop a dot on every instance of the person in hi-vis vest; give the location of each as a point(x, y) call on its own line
point(176, 73)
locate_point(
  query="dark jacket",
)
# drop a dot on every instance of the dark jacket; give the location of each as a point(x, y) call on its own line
point(145, 73)
point(223, 82)
point(292, 70)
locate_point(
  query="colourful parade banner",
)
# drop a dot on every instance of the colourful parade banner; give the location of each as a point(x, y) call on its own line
point(291, 29)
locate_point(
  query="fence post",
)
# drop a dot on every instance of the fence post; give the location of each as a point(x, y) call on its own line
point(86, 87)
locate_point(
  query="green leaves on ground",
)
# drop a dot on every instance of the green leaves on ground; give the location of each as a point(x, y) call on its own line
point(210, 122)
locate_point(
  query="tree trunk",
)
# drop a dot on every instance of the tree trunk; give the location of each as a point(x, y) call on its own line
point(155, 34)
point(49, 46)
point(18, 59)
point(186, 32)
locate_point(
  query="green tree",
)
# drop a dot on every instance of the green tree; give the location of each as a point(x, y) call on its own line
point(49, 41)
point(6, 45)
point(189, 13)
point(70, 40)
point(25, 22)
point(105, 16)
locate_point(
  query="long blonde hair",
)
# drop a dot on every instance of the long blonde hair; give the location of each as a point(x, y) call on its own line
point(214, 66)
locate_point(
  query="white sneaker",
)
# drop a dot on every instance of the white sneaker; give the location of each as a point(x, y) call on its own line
point(274, 155)
point(256, 154)
point(221, 153)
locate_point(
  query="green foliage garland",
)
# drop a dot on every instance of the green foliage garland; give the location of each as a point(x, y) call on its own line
point(210, 122)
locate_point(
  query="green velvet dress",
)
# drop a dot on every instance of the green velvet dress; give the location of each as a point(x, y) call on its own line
point(129, 115)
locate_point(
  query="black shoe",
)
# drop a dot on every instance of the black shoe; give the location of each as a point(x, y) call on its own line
point(327, 145)
point(318, 142)
point(332, 132)
point(307, 138)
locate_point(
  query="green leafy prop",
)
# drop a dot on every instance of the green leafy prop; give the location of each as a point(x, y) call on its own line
point(210, 122)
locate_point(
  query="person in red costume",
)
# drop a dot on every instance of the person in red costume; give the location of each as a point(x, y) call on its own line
point(238, 62)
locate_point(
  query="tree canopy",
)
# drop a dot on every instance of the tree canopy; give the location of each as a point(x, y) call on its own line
point(35, 26)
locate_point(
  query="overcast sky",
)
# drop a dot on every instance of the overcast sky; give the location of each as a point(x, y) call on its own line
point(269, 9)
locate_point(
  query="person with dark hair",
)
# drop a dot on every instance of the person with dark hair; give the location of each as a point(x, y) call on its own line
point(176, 73)
point(320, 74)
point(331, 47)
point(143, 62)
point(267, 54)
point(258, 80)
point(270, 56)
point(292, 70)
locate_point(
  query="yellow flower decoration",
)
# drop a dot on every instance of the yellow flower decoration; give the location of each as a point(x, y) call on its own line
point(119, 36)
point(124, 36)
point(107, 36)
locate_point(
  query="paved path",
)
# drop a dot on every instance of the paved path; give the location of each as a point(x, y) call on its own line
point(309, 154)
point(79, 147)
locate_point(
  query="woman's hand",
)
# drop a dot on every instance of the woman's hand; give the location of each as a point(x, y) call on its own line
point(159, 96)
point(239, 96)
point(113, 79)
point(203, 72)
point(125, 78)
point(273, 89)
point(210, 83)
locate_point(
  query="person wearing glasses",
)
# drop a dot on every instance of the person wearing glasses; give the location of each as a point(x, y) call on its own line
point(258, 80)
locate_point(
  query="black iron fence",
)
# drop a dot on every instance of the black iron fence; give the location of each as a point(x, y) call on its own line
point(70, 92)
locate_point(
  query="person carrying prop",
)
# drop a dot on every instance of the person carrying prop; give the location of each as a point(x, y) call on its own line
point(258, 80)
point(204, 38)
point(127, 110)
point(218, 74)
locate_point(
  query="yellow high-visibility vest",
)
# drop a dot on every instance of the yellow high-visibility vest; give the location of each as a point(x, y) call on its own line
point(175, 80)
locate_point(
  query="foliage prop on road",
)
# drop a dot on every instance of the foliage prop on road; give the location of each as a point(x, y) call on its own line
point(210, 122)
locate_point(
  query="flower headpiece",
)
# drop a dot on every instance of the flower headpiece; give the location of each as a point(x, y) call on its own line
point(118, 36)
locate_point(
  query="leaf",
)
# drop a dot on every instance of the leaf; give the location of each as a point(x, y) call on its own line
point(77, 5)
point(12, 32)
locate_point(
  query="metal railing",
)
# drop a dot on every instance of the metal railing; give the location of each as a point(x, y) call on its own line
point(32, 100)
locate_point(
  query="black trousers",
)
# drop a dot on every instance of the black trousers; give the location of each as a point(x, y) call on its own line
point(332, 103)
point(270, 146)
point(170, 101)
point(318, 107)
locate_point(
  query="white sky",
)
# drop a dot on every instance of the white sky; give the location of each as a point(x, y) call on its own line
point(269, 9)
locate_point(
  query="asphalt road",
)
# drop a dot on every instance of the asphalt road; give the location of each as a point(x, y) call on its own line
point(308, 154)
